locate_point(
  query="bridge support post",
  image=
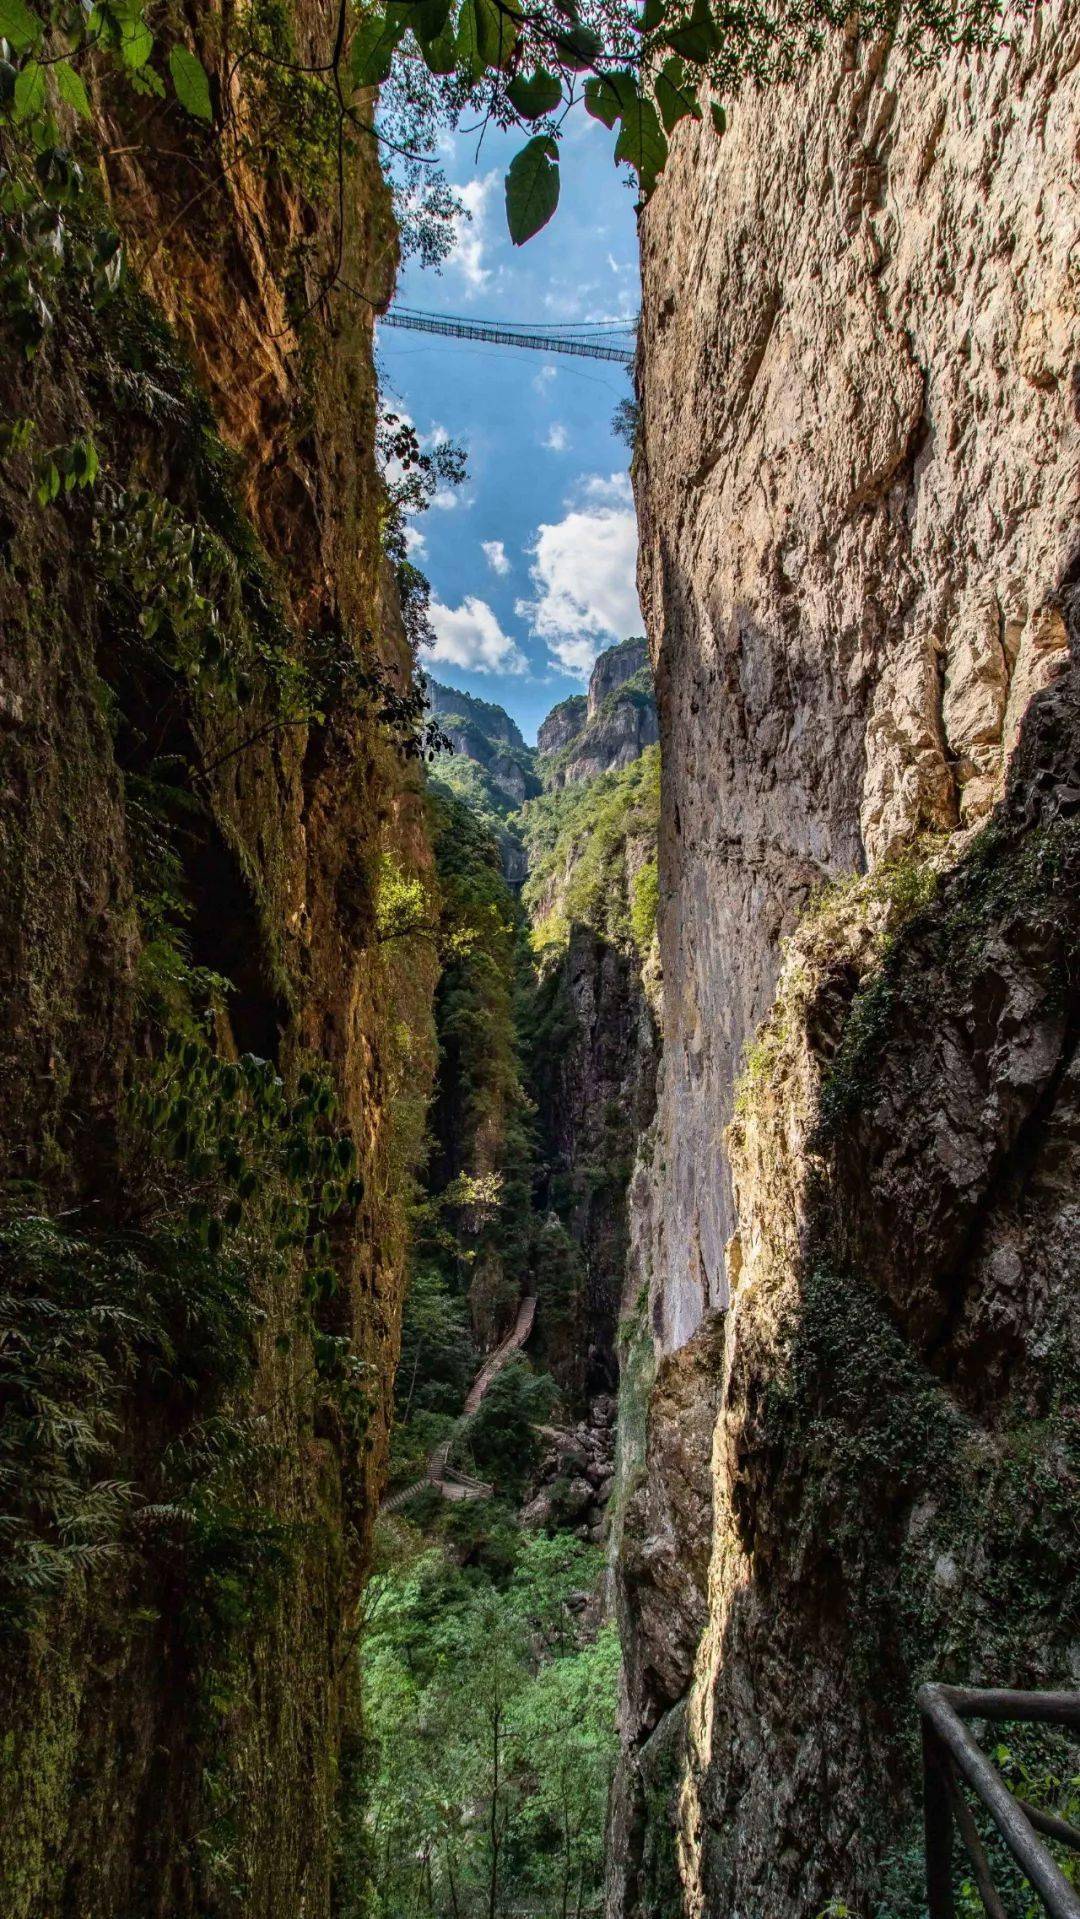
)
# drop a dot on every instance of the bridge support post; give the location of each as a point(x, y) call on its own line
point(938, 1826)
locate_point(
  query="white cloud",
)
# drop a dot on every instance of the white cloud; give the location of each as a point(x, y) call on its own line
point(470, 636)
point(545, 378)
point(470, 231)
point(495, 554)
point(611, 489)
point(557, 439)
point(415, 540)
point(583, 570)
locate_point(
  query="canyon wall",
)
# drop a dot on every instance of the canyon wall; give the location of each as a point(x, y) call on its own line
point(856, 1232)
point(213, 1071)
point(609, 727)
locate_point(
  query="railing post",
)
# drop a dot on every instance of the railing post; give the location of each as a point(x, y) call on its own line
point(937, 1825)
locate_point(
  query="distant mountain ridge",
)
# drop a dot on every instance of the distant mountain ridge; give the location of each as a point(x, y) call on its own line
point(493, 770)
point(455, 708)
point(611, 727)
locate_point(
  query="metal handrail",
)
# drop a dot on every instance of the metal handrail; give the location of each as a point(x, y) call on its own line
point(950, 1749)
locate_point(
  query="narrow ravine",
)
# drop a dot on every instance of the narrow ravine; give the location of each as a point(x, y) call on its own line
point(539, 1285)
point(504, 1384)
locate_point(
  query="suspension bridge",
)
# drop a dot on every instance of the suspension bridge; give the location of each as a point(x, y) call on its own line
point(591, 340)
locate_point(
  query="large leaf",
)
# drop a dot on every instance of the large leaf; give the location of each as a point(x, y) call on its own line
point(674, 97)
point(136, 39)
point(470, 59)
point(578, 47)
point(697, 38)
point(440, 54)
point(70, 87)
point(192, 86)
point(29, 91)
point(487, 36)
point(534, 94)
point(503, 26)
point(427, 18)
point(608, 96)
point(642, 142)
point(374, 44)
point(18, 25)
point(532, 188)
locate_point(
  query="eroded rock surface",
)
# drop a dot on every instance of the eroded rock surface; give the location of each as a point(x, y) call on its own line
point(611, 727)
point(857, 492)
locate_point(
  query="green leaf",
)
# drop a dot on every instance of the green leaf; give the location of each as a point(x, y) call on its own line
point(440, 54)
point(18, 25)
point(374, 44)
point(674, 97)
point(29, 91)
point(136, 39)
point(486, 37)
point(504, 22)
point(577, 47)
point(70, 87)
point(652, 15)
point(608, 97)
point(642, 142)
point(427, 18)
point(532, 188)
point(535, 94)
point(192, 86)
point(719, 118)
point(697, 38)
point(48, 483)
point(79, 464)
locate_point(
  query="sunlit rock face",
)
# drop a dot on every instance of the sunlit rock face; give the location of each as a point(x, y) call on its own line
point(611, 727)
point(856, 484)
point(857, 494)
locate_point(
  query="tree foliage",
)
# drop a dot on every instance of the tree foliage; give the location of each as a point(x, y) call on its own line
point(490, 1711)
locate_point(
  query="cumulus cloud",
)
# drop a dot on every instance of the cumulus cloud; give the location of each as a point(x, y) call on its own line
point(470, 636)
point(415, 541)
point(583, 571)
point(557, 439)
point(612, 489)
point(495, 554)
point(545, 378)
point(470, 231)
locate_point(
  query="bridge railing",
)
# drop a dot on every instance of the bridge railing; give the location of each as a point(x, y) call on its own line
point(952, 1754)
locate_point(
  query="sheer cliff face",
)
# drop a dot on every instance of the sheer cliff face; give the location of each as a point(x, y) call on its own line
point(856, 486)
point(611, 727)
point(172, 1690)
point(857, 492)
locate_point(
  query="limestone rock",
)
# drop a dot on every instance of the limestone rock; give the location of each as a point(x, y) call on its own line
point(582, 738)
point(856, 483)
point(857, 491)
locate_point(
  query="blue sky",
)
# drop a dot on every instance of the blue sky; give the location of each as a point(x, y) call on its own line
point(531, 562)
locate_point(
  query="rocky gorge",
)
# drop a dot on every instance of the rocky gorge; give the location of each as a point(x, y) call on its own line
point(486, 1232)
